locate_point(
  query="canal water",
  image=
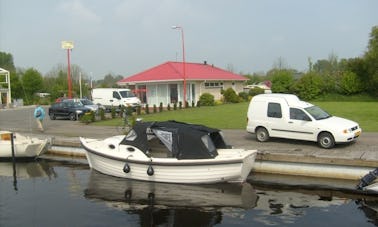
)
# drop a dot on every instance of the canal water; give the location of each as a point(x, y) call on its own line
point(51, 192)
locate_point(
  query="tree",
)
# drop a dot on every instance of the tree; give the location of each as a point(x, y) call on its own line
point(109, 81)
point(6, 62)
point(33, 82)
point(350, 83)
point(309, 86)
point(371, 59)
point(282, 81)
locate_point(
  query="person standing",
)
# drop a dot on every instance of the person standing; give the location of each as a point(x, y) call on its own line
point(39, 115)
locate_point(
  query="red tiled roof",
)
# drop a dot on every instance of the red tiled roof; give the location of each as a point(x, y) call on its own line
point(173, 71)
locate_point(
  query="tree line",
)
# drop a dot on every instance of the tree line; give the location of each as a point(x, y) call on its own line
point(358, 75)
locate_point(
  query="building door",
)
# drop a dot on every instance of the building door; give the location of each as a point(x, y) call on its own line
point(173, 93)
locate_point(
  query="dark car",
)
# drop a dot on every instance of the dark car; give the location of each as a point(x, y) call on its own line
point(72, 110)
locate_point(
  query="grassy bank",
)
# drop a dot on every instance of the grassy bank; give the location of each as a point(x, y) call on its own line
point(233, 116)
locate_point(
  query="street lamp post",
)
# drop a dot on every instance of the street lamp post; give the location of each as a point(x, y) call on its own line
point(68, 45)
point(183, 60)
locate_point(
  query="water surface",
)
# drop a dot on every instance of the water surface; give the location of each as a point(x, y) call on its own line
point(67, 193)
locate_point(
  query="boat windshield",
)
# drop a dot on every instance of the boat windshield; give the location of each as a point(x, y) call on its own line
point(317, 113)
point(127, 94)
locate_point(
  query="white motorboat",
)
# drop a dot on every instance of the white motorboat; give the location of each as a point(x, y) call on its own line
point(24, 146)
point(170, 152)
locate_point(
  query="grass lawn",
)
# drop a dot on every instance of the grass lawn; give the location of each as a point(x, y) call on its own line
point(234, 116)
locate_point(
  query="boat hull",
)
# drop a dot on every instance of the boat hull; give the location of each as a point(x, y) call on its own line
point(231, 165)
point(24, 147)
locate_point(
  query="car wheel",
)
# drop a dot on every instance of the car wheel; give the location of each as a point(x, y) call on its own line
point(52, 116)
point(262, 134)
point(72, 116)
point(326, 140)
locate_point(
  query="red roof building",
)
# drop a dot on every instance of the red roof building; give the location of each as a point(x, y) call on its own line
point(164, 83)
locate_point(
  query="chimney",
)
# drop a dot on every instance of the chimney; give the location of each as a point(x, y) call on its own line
point(205, 62)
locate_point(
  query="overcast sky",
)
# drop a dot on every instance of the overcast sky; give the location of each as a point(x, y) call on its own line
point(129, 36)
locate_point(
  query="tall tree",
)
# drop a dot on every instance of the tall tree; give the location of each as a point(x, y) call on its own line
point(282, 80)
point(371, 59)
point(33, 82)
point(6, 62)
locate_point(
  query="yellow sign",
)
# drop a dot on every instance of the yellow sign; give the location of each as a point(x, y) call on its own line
point(67, 45)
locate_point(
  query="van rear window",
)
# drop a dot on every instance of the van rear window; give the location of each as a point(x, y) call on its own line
point(274, 110)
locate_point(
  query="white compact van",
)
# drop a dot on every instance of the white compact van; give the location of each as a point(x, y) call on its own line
point(285, 116)
point(114, 97)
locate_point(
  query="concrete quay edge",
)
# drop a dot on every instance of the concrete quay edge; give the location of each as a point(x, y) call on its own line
point(71, 146)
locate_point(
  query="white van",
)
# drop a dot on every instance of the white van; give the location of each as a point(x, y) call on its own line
point(114, 97)
point(285, 116)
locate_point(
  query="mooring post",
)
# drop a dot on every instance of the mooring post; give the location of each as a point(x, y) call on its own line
point(14, 163)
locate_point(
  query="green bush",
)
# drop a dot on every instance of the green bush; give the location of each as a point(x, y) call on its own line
point(256, 91)
point(350, 84)
point(206, 99)
point(174, 106)
point(243, 95)
point(87, 117)
point(147, 109)
point(102, 114)
point(168, 107)
point(309, 86)
point(155, 108)
point(113, 112)
point(230, 96)
point(161, 107)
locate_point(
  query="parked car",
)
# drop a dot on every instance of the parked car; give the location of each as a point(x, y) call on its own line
point(285, 116)
point(67, 109)
point(87, 103)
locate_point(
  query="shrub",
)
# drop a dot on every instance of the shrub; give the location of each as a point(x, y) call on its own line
point(168, 107)
point(102, 114)
point(255, 91)
point(138, 110)
point(113, 112)
point(147, 109)
point(180, 105)
point(88, 117)
point(155, 108)
point(174, 106)
point(161, 107)
point(206, 99)
point(309, 86)
point(243, 95)
point(230, 96)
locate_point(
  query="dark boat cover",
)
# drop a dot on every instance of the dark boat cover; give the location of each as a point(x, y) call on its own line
point(183, 140)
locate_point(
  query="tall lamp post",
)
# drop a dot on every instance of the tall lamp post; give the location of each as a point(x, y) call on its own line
point(68, 45)
point(183, 59)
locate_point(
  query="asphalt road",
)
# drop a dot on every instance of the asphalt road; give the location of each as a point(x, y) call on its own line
point(21, 120)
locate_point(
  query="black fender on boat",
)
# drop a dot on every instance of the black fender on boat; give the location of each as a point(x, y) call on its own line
point(367, 179)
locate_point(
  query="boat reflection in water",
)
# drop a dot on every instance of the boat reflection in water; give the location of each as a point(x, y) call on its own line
point(159, 203)
point(26, 170)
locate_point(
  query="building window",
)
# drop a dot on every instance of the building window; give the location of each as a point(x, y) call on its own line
point(213, 84)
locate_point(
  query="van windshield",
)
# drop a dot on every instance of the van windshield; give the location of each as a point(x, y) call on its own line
point(317, 113)
point(127, 94)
